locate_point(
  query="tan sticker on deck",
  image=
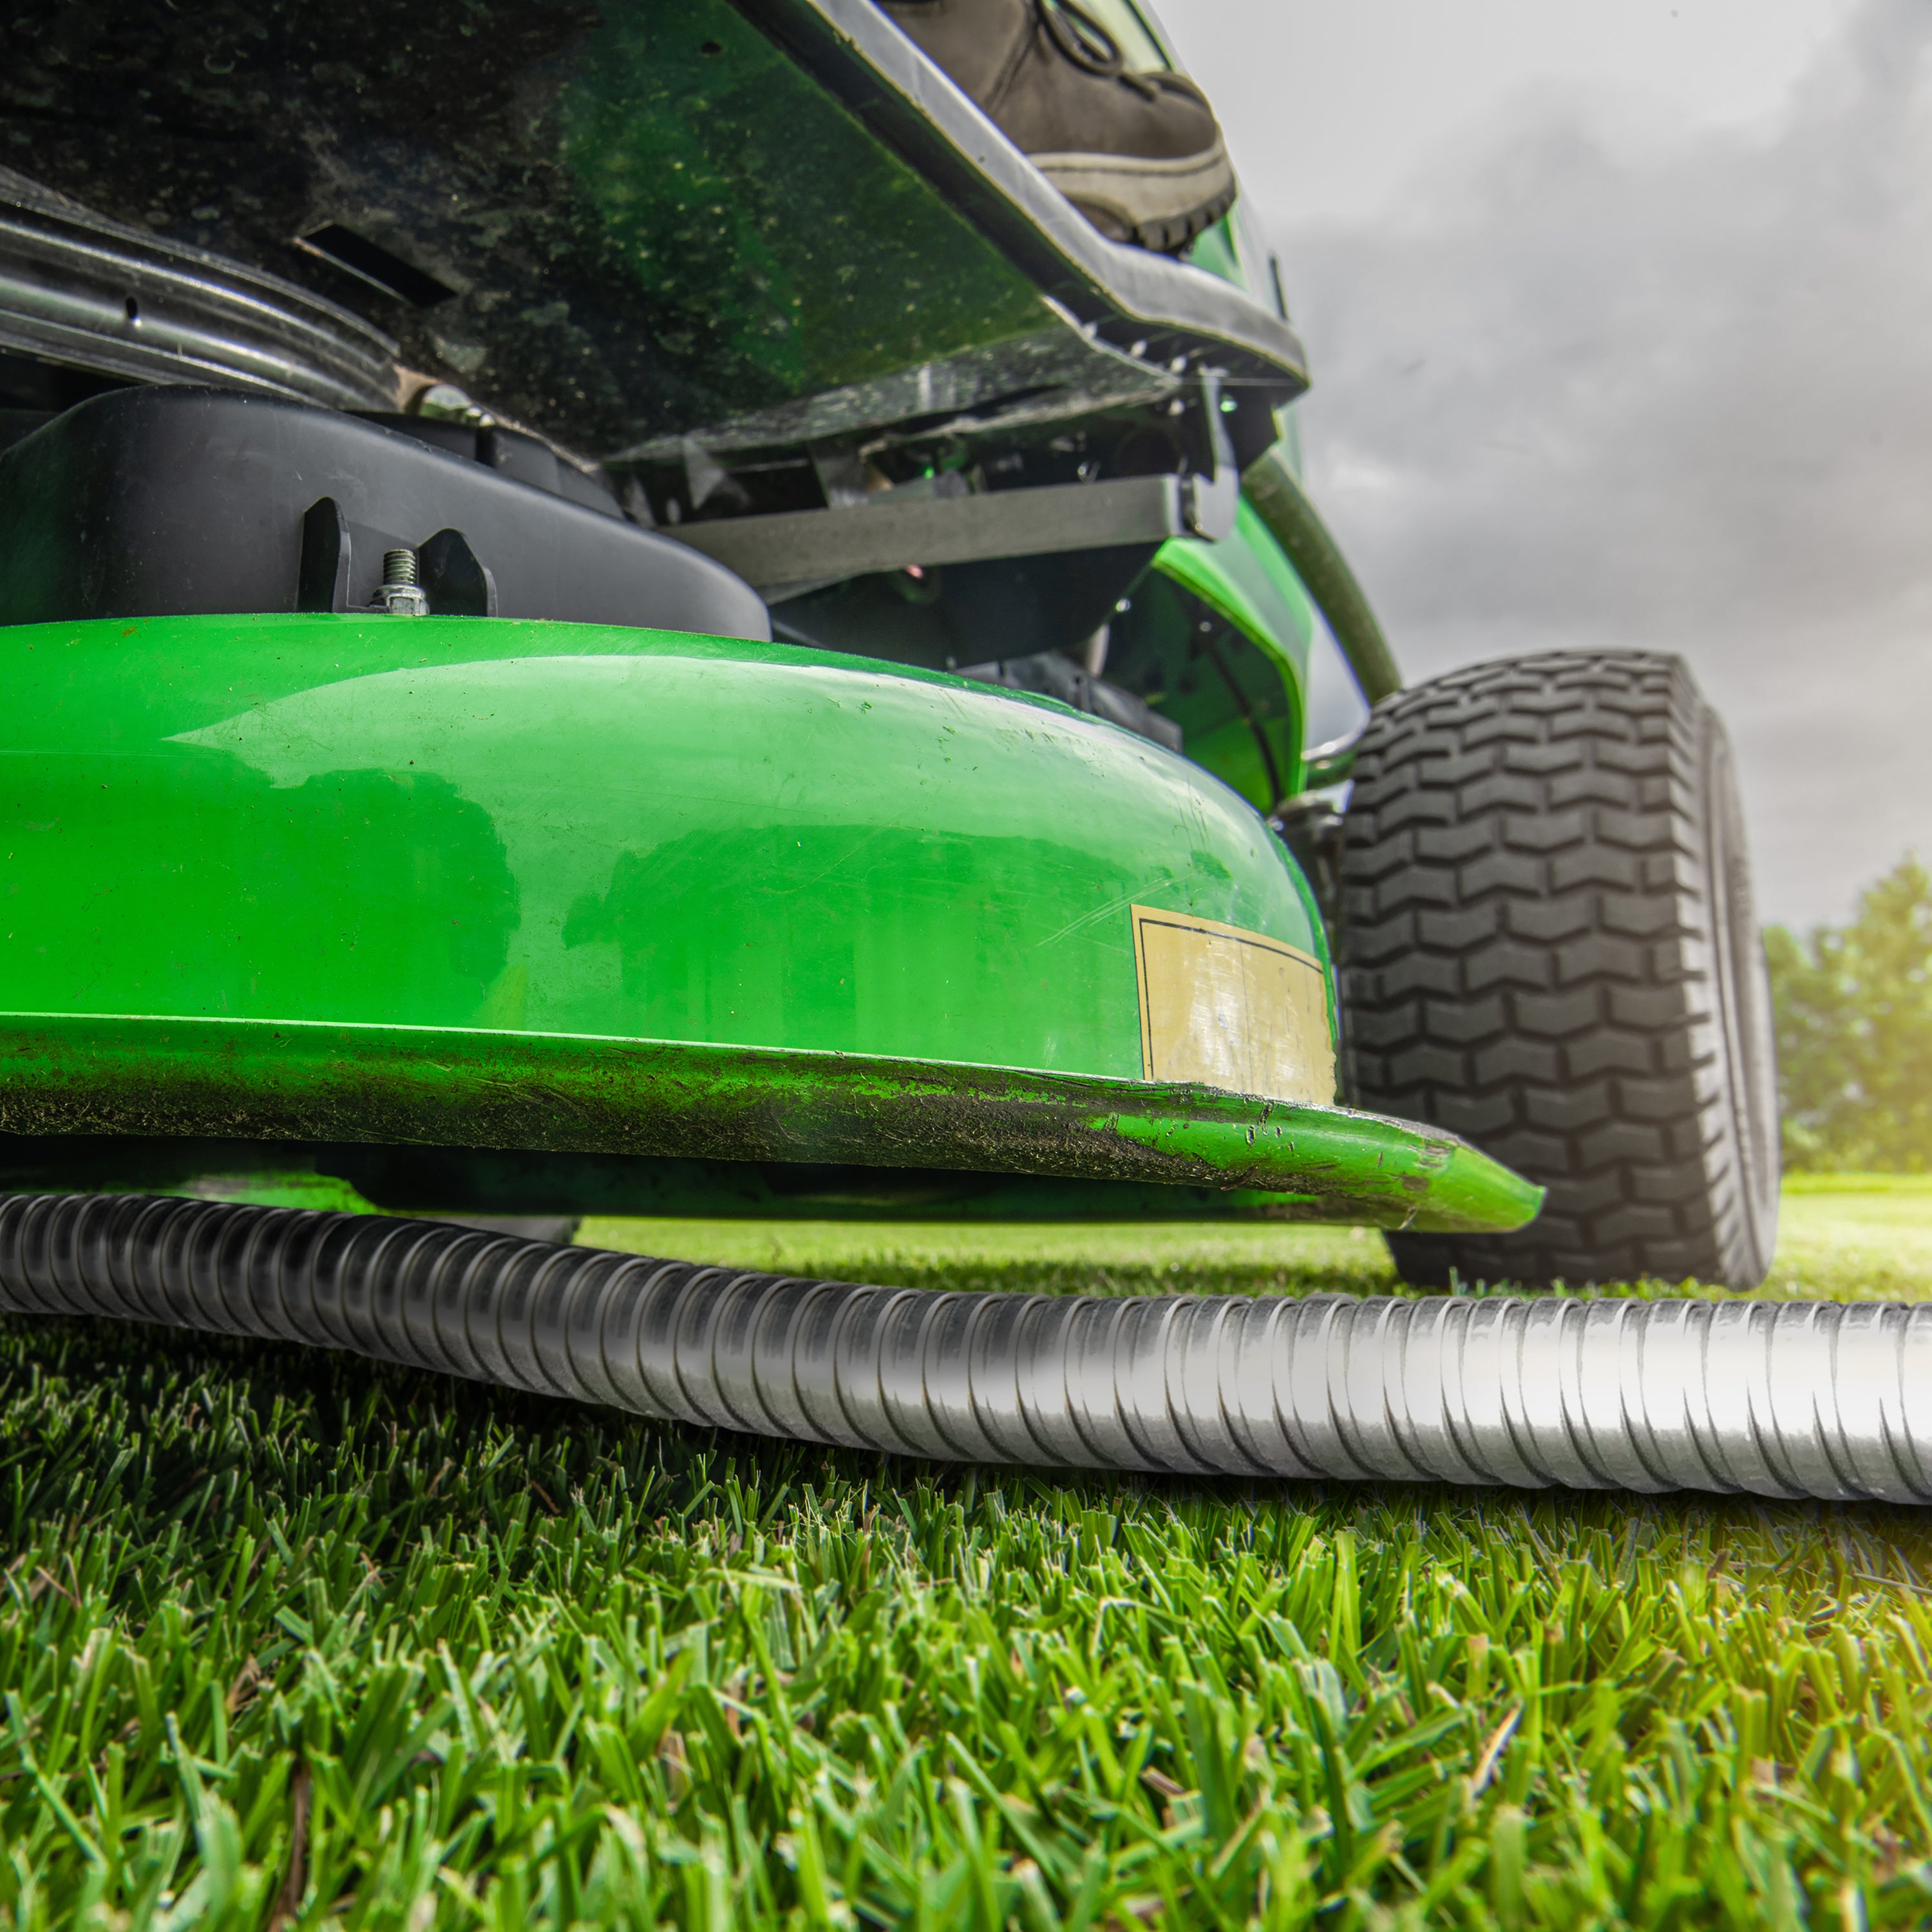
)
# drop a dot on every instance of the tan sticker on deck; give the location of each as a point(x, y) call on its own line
point(1233, 1009)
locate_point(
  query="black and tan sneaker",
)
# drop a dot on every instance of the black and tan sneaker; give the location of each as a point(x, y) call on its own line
point(1139, 154)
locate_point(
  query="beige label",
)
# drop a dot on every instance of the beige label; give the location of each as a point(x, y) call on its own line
point(1228, 1008)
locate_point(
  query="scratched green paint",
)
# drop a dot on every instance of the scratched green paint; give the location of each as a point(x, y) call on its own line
point(550, 828)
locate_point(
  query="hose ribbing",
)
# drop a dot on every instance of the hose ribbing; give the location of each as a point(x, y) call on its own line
point(1793, 1399)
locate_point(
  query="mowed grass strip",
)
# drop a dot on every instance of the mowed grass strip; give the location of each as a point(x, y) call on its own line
point(1841, 1237)
point(1862, 1237)
point(287, 1638)
point(1074, 1258)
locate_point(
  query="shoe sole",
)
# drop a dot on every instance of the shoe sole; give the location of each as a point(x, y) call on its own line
point(1161, 205)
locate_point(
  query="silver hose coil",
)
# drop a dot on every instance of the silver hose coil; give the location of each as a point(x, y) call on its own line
point(1793, 1399)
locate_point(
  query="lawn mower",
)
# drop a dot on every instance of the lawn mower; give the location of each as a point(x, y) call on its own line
point(619, 607)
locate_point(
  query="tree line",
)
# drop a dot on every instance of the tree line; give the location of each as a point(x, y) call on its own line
point(1854, 1005)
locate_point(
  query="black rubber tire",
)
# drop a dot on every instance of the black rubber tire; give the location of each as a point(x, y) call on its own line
point(1548, 946)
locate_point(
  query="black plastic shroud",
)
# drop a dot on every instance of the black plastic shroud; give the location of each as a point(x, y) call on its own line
point(174, 502)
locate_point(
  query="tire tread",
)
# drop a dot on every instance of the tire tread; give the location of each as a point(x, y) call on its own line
point(1526, 959)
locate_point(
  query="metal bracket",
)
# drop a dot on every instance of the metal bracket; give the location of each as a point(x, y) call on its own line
point(915, 525)
point(821, 546)
point(455, 581)
point(1213, 499)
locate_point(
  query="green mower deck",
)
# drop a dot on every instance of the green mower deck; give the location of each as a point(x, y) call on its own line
point(568, 890)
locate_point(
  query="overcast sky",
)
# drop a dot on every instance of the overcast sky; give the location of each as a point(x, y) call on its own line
point(1620, 314)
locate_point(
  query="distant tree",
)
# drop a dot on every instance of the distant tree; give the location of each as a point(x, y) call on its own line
point(1855, 1031)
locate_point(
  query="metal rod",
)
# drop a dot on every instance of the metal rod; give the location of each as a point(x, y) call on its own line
point(1275, 493)
point(1794, 1398)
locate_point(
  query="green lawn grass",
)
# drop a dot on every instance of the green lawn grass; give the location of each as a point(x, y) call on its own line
point(1847, 1235)
point(286, 1638)
point(1841, 1237)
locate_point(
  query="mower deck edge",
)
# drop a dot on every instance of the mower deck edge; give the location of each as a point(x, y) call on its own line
point(112, 1074)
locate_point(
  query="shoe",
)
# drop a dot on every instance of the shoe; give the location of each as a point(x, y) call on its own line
point(1139, 154)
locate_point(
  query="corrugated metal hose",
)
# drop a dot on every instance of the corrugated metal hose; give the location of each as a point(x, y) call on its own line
point(1793, 1399)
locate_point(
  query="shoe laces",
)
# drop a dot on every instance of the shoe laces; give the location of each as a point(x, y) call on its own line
point(1087, 44)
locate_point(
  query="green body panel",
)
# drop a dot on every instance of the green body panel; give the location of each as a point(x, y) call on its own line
point(85, 1075)
point(1237, 703)
point(1246, 579)
point(458, 823)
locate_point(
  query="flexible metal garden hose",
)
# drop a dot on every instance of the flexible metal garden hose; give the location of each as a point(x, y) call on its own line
point(1794, 1398)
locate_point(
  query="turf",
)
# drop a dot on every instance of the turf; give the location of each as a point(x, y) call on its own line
point(1847, 1235)
point(1087, 1258)
point(1842, 1237)
point(288, 1639)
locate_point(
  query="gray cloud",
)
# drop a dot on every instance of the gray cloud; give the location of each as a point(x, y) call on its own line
point(1581, 392)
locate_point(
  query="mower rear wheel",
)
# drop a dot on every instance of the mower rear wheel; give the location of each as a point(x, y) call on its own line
point(1548, 946)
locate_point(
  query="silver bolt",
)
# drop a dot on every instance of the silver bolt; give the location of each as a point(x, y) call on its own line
point(401, 594)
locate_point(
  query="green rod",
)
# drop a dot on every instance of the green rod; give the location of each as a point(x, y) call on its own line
point(1281, 503)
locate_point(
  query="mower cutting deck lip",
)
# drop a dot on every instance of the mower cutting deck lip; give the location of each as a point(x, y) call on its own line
point(469, 882)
